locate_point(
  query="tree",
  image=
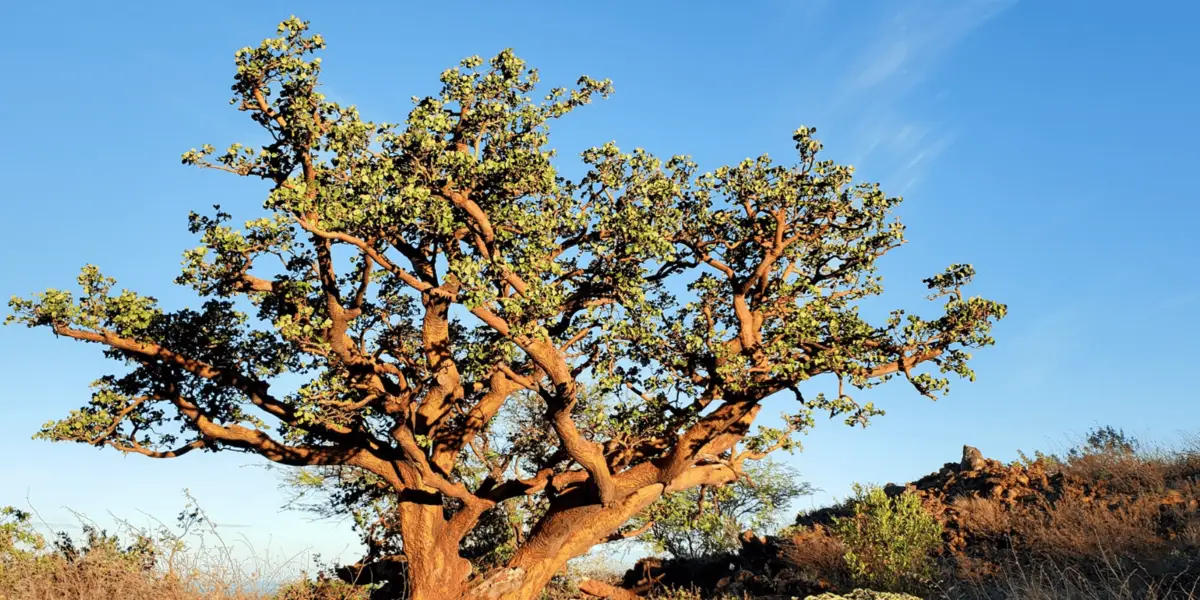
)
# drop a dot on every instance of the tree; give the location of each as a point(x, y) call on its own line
point(701, 521)
point(421, 277)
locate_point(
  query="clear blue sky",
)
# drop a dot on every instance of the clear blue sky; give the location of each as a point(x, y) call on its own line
point(1051, 143)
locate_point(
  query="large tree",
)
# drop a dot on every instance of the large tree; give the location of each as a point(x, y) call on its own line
point(409, 281)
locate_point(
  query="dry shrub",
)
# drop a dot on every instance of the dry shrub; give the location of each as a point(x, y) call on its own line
point(817, 549)
point(152, 566)
point(1074, 529)
point(1184, 463)
point(982, 516)
point(1120, 524)
point(816, 556)
point(103, 575)
point(1120, 473)
point(1187, 533)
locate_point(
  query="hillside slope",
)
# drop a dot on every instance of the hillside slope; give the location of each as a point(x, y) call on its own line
point(1086, 522)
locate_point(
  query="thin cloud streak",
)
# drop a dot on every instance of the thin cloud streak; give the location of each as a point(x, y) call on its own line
point(910, 44)
point(874, 99)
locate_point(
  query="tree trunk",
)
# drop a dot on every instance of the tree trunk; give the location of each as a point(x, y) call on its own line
point(563, 534)
point(435, 570)
point(570, 529)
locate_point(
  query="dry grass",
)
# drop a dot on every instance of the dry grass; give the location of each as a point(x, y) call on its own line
point(191, 562)
point(107, 575)
point(1049, 581)
point(820, 559)
point(1137, 538)
point(1146, 526)
point(103, 576)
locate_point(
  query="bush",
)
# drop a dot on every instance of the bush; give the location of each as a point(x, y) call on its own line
point(890, 542)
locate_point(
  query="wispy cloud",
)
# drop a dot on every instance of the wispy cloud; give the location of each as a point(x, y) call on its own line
point(909, 44)
point(897, 146)
point(876, 98)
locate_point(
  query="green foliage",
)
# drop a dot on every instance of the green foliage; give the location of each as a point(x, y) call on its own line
point(701, 522)
point(890, 542)
point(141, 551)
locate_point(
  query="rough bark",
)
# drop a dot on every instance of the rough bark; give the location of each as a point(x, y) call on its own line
point(434, 566)
point(568, 532)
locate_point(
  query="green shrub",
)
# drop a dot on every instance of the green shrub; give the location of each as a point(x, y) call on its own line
point(890, 542)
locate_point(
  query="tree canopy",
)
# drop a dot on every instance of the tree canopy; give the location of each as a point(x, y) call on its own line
point(424, 276)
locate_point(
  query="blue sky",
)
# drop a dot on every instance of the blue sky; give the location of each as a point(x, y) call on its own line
point(1049, 143)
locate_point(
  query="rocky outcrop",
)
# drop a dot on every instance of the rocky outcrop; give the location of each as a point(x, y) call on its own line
point(991, 513)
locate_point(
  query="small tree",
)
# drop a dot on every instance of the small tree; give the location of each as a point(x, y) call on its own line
point(421, 277)
point(704, 521)
point(890, 542)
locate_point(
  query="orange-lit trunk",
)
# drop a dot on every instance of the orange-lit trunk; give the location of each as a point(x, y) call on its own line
point(563, 534)
point(570, 529)
point(435, 570)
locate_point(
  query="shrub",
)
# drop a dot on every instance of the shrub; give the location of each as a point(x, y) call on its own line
point(890, 542)
point(816, 557)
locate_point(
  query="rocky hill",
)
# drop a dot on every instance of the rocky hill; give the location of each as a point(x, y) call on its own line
point(1092, 514)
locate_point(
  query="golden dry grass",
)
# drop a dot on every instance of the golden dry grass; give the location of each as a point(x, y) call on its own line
point(106, 575)
point(191, 562)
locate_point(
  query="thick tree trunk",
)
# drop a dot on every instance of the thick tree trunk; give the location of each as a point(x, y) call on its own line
point(435, 569)
point(572, 527)
point(563, 534)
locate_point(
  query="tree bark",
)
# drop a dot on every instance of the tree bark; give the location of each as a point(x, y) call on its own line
point(435, 569)
point(575, 523)
point(565, 533)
